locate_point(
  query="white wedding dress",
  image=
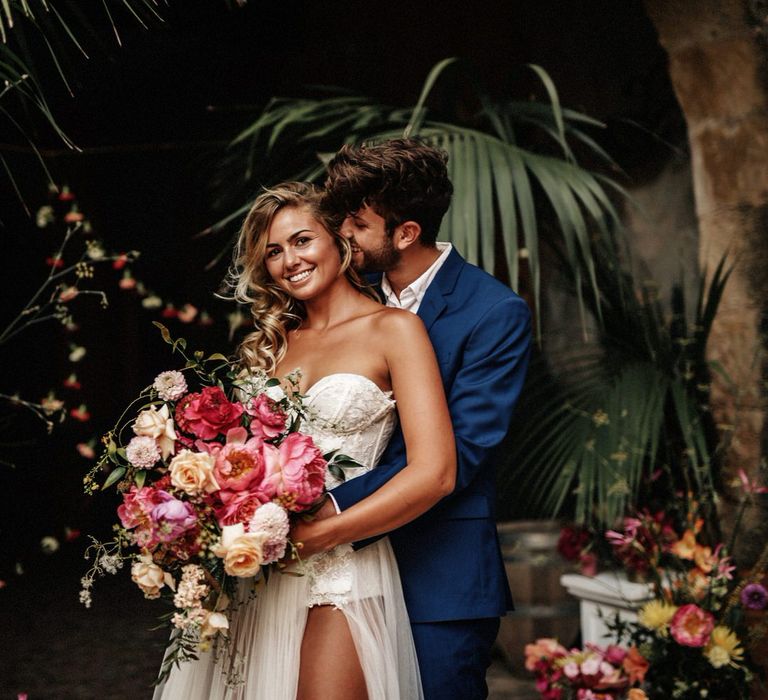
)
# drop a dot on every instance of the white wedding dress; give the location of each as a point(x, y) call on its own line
point(354, 413)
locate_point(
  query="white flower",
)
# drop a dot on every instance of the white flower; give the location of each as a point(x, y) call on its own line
point(76, 353)
point(142, 452)
point(95, 250)
point(170, 385)
point(150, 577)
point(44, 216)
point(158, 425)
point(214, 623)
point(192, 472)
point(275, 393)
point(271, 520)
point(49, 544)
point(152, 302)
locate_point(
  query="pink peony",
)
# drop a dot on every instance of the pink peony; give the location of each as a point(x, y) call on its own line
point(268, 420)
point(136, 507)
point(295, 471)
point(239, 463)
point(209, 413)
point(238, 506)
point(171, 517)
point(691, 626)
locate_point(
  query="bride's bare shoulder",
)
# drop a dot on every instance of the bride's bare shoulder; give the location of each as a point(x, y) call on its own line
point(397, 323)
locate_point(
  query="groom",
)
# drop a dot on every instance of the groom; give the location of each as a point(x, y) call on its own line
point(393, 197)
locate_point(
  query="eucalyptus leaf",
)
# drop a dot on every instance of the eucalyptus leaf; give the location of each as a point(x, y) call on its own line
point(114, 476)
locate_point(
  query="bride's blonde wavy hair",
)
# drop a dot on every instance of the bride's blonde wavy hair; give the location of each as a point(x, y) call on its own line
point(274, 311)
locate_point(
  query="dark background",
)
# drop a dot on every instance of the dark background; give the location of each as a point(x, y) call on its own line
point(153, 118)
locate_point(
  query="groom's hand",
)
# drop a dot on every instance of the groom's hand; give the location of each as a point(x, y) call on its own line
point(316, 535)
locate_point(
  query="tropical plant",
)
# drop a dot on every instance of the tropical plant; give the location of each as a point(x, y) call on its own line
point(500, 186)
point(625, 419)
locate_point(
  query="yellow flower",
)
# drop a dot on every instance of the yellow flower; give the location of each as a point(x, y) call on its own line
point(723, 648)
point(656, 615)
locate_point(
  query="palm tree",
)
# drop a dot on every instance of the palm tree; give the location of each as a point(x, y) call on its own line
point(501, 187)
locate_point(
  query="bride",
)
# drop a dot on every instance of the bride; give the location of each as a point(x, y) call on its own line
point(338, 631)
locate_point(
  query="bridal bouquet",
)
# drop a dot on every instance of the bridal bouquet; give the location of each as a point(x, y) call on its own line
point(207, 477)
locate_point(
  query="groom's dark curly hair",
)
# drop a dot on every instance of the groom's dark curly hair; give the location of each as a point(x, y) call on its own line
point(400, 179)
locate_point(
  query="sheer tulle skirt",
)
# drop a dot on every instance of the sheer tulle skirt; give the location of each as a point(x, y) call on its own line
point(267, 632)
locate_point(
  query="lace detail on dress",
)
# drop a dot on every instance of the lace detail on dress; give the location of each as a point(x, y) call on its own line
point(330, 577)
point(350, 413)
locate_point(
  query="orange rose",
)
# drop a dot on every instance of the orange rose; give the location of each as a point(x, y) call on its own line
point(636, 694)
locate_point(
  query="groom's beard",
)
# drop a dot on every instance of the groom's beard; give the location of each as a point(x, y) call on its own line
point(381, 259)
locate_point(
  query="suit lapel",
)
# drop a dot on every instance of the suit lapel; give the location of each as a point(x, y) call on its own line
point(434, 301)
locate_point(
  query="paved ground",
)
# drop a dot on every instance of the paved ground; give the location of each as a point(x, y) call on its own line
point(52, 648)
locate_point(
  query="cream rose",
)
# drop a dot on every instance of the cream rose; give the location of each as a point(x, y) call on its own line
point(215, 622)
point(241, 551)
point(192, 472)
point(150, 577)
point(157, 424)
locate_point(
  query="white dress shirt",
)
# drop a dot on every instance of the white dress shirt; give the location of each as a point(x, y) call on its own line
point(411, 297)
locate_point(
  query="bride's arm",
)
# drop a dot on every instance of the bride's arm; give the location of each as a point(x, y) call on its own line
point(430, 472)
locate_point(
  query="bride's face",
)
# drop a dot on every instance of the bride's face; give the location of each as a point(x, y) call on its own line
point(302, 256)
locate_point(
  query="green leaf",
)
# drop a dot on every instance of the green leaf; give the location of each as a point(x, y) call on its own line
point(164, 332)
point(140, 477)
point(114, 476)
point(218, 356)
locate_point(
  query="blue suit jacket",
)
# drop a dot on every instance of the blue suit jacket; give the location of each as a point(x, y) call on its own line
point(449, 558)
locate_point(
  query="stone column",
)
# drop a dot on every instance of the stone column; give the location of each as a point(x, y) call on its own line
point(717, 67)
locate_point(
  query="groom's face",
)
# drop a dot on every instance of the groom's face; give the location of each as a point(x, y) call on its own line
point(372, 247)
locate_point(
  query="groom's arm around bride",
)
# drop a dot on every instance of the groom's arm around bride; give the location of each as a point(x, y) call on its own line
point(450, 564)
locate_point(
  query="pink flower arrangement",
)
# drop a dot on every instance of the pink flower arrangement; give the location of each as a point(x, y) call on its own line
point(208, 482)
point(592, 673)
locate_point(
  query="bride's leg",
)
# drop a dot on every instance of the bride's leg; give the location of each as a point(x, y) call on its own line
point(330, 668)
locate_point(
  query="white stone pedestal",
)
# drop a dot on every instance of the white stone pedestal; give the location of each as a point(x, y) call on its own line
point(602, 597)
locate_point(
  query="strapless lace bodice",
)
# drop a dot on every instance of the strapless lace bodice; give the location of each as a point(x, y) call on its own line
point(350, 413)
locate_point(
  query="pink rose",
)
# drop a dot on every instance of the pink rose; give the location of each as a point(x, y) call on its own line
point(691, 626)
point(209, 413)
point(268, 420)
point(295, 472)
point(238, 506)
point(239, 463)
point(171, 517)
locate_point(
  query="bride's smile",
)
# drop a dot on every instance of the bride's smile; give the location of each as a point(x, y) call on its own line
point(301, 255)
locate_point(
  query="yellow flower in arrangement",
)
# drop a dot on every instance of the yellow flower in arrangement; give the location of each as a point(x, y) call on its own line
point(656, 615)
point(723, 648)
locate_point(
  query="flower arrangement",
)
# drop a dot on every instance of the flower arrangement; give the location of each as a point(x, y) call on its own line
point(208, 480)
point(593, 673)
point(693, 633)
point(691, 640)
